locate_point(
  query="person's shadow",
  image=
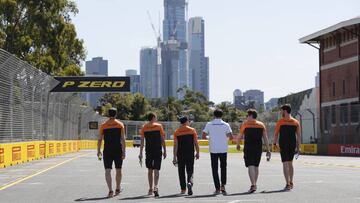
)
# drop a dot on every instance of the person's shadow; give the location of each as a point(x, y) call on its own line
point(136, 197)
point(274, 191)
point(90, 199)
point(239, 194)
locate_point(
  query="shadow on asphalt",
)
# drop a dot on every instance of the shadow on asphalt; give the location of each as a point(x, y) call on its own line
point(239, 194)
point(90, 199)
point(274, 191)
point(200, 196)
point(136, 197)
point(172, 196)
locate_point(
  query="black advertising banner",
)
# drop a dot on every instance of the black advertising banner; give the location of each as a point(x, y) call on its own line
point(92, 84)
point(93, 125)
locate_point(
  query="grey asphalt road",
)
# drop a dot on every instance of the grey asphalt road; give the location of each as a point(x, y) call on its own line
point(79, 177)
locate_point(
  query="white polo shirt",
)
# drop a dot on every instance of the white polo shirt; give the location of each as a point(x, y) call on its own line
point(217, 131)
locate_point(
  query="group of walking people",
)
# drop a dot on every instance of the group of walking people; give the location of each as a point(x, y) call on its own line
point(186, 148)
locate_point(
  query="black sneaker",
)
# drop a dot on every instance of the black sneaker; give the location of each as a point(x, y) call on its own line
point(223, 191)
point(189, 186)
point(156, 192)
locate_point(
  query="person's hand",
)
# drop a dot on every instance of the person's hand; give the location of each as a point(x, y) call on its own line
point(197, 155)
point(123, 156)
point(174, 160)
point(275, 146)
point(140, 156)
point(238, 147)
point(164, 154)
point(99, 154)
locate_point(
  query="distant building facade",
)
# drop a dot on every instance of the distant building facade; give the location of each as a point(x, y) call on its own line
point(174, 29)
point(96, 67)
point(254, 99)
point(134, 80)
point(198, 63)
point(272, 103)
point(339, 49)
point(150, 73)
point(239, 100)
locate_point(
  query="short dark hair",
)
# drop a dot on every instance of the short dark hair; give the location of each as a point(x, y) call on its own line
point(112, 112)
point(252, 112)
point(218, 113)
point(286, 107)
point(150, 116)
point(184, 119)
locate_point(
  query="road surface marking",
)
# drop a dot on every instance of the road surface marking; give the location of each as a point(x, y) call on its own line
point(7, 185)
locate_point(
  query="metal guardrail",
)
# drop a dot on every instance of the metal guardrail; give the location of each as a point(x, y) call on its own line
point(29, 111)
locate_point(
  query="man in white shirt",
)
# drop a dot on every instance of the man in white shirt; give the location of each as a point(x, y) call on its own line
point(218, 132)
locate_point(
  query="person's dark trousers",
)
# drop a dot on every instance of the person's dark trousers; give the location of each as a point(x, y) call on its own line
point(188, 165)
point(215, 157)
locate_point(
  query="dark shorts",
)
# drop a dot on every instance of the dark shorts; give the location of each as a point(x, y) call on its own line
point(252, 157)
point(287, 154)
point(109, 158)
point(153, 161)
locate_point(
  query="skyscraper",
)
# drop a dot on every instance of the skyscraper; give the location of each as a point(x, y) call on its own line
point(174, 33)
point(150, 76)
point(198, 63)
point(96, 67)
point(134, 80)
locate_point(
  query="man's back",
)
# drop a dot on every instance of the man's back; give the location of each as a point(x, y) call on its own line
point(152, 132)
point(112, 130)
point(218, 131)
point(185, 137)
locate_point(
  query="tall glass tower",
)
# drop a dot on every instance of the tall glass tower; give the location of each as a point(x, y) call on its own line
point(174, 32)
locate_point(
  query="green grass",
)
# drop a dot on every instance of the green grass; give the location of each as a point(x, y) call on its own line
point(232, 149)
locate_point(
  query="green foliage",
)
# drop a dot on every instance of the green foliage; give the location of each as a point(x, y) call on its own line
point(41, 33)
point(135, 107)
point(231, 114)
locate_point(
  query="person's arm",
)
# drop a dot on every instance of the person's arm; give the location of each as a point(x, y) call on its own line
point(196, 144)
point(240, 136)
point(163, 143)
point(238, 141)
point(175, 149)
point(100, 138)
point(229, 131)
point(298, 138)
point(276, 135)
point(266, 140)
point(141, 143)
point(123, 143)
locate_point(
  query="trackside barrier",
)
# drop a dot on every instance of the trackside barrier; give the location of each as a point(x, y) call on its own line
point(22, 152)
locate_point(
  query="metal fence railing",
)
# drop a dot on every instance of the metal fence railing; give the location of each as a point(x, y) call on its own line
point(28, 111)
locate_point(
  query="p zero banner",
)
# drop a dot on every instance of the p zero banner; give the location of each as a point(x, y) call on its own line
point(344, 149)
point(92, 84)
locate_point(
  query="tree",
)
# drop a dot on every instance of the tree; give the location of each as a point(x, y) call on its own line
point(139, 107)
point(41, 33)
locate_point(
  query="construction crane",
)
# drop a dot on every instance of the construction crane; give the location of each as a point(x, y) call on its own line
point(156, 33)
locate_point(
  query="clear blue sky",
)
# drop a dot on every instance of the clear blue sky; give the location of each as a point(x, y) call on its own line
point(251, 44)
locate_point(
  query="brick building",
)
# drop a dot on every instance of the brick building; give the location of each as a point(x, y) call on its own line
point(339, 68)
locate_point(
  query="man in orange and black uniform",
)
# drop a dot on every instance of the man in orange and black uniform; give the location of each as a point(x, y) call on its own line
point(254, 132)
point(288, 131)
point(185, 140)
point(154, 136)
point(113, 134)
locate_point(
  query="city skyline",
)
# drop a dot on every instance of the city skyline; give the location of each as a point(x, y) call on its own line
point(231, 39)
